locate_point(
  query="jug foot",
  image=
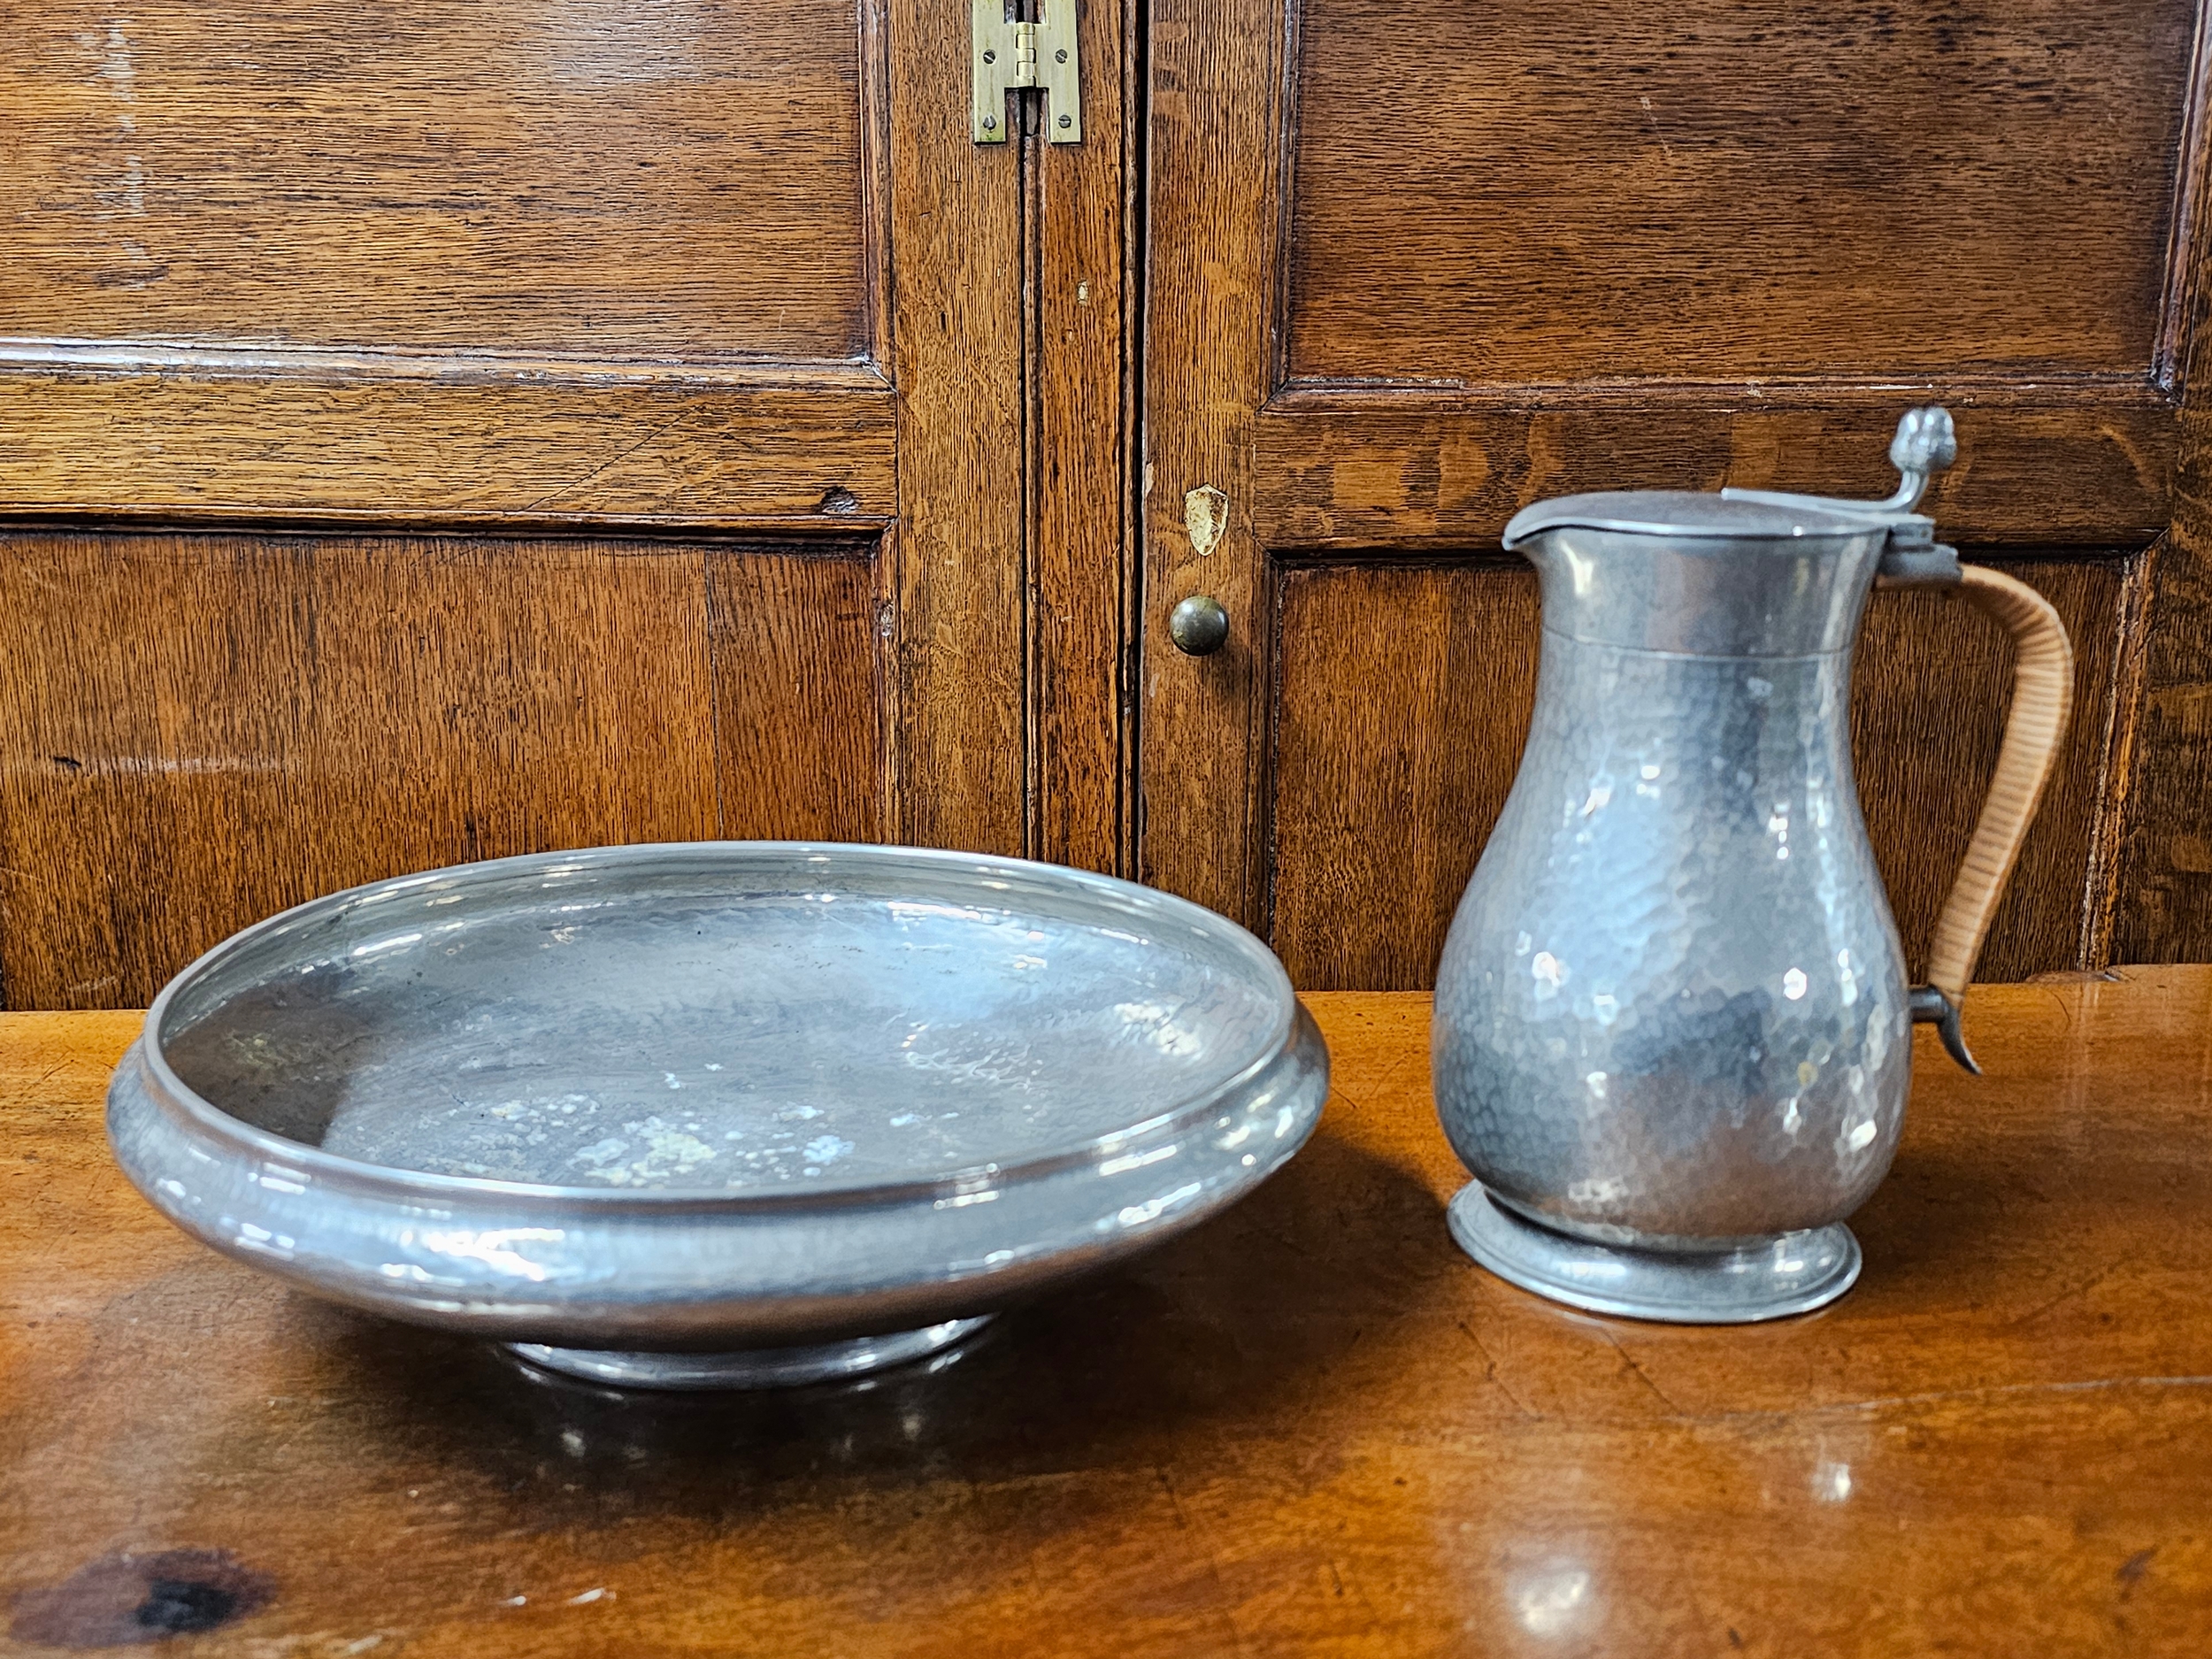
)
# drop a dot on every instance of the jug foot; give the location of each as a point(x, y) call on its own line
point(1794, 1273)
point(750, 1368)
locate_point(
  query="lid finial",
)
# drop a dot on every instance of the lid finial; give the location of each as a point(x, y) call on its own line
point(1926, 442)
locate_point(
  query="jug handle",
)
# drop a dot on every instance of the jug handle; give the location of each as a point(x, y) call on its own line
point(2042, 702)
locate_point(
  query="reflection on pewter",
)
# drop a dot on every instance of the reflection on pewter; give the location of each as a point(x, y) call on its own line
point(1673, 1036)
point(717, 1114)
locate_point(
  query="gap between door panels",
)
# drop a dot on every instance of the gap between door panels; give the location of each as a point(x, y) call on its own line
point(1081, 319)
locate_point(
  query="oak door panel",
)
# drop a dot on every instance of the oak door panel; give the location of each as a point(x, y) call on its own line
point(459, 429)
point(1413, 268)
point(237, 436)
point(197, 731)
point(798, 695)
point(1394, 747)
point(2037, 465)
point(1721, 191)
point(681, 180)
point(1931, 679)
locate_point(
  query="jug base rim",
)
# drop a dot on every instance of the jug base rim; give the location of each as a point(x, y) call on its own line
point(1791, 1274)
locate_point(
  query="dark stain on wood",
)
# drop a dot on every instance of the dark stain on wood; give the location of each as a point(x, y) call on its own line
point(126, 1599)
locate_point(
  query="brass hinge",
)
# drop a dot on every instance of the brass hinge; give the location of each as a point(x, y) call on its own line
point(1011, 55)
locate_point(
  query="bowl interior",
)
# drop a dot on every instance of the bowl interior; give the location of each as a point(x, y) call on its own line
point(722, 1018)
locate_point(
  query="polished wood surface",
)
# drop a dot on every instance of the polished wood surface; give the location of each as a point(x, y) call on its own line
point(1311, 1427)
point(1395, 296)
point(197, 731)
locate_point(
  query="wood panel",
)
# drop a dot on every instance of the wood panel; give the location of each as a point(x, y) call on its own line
point(675, 180)
point(258, 435)
point(2165, 911)
point(1082, 451)
point(1405, 693)
point(453, 276)
point(1716, 190)
point(2093, 465)
point(1382, 801)
point(197, 731)
point(1213, 176)
point(1310, 1428)
point(960, 580)
point(1415, 268)
point(798, 711)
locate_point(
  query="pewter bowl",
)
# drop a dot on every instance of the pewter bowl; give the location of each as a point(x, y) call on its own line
point(717, 1114)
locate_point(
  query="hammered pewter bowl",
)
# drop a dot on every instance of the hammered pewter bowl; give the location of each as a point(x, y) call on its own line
point(716, 1114)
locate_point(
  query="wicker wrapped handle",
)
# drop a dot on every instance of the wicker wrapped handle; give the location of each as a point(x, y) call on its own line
point(2042, 701)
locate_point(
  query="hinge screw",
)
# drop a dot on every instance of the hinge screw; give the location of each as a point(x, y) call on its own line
point(1060, 57)
point(990, 57)
point(1067, 120)
point(989, 122)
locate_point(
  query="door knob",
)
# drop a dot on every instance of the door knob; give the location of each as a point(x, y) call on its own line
point(1199, 625)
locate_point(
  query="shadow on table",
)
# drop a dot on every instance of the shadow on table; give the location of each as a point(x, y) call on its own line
point(1214, 1332)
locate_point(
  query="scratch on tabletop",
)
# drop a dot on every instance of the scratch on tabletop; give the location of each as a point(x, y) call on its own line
point(1221, 1602)
point(1490, 1373)
point(1990, 1391)
point(2068, 1295)
point(1629, 1360)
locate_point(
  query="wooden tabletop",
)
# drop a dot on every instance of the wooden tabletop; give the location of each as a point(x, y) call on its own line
point(1310, 1428)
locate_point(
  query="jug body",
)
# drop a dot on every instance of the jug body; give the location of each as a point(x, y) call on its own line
point(1671, 1011)
point(1672, 1032)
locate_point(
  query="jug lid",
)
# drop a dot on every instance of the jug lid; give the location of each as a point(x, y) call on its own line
point(1926, 445)
point(1689, 512)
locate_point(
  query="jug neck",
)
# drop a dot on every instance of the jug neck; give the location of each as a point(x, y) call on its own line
point(1706, 596)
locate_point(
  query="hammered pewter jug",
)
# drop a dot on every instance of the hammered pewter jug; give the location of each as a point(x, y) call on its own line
point(1673, 1033)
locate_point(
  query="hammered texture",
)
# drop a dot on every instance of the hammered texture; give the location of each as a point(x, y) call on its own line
point(1671, 1009)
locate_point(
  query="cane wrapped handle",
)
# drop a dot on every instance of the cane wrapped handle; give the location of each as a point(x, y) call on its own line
point(2042, 702)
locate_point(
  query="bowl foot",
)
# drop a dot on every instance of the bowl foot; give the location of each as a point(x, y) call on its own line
point(750, 1368)
point(1795, 1272)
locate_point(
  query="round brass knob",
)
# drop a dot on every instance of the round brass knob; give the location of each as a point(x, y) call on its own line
point(1199, 625)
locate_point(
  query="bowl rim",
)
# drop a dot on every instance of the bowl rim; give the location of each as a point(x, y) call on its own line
point(178, 1099)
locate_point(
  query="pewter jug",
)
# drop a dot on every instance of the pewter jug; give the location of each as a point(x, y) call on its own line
point(1673, 1036)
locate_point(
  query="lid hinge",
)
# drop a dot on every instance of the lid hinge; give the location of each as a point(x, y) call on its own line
point(1009, 56)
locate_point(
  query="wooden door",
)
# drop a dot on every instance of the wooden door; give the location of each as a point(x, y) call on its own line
point(1414, 266)
point(442, 430)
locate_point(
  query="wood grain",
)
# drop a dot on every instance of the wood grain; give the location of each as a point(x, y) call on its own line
point(2092, 464)
point(470, 272)
point(2165, 907)
point(1082, 445)
point(798, 707)
point(259, 437)
point(197, 731)
point(1309, 1428)
point(1213, 176)
point(956, 682)
point(1394, 295)
point(1405, 697)
point(679, 181)
point(1382, 802)
point(1913, 189)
